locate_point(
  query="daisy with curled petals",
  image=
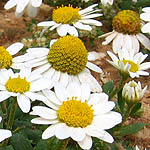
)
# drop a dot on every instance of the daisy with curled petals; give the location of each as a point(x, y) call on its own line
point(67, 60)
point(4, 134)
point(74, 112)
point(23, 85)
point(31, 5)
point(126, 32)
point(105, 2)
point(130, 63)
point(6, 59)
point(146, 17)
point(66, 19)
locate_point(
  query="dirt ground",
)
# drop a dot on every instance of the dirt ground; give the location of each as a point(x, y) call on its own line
point(13, 29)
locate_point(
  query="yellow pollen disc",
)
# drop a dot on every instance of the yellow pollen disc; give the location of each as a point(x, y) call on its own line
point(134, 67)
point(127, 22)
point(75, 113)
point(5, 58)
point(66, 15)
point(17, 85)
point(68, 54)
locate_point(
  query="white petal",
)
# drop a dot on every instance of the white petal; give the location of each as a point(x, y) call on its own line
point(10, 4)
point(103, 107)
point(56, 76)
point(145, 16)
point(146, 9)
point(52, 42)
point(88, 78)
point(49, 132)
point(37, 52)
point(41, 69)
point(55, 26)
point(127, 42)
point(25, 72)
point(40, 84)
point(32, 11)
point(145, 66)
point(62, 30)
point(4, 95)
point(60, 91)
point(81, 26)
point(86, 143)
point(91, 22)
point(62, 131)
point(15, 48)
point(72, 31)
point(108, 120)
point(91, 16)
point(51, 105)
point(135, 43)
point(64, 79)
point(143, 73)
point(144, 40)
point(36, 3)
point(77, 134)
point(35, 96)
point(93, 67)
point(74, 90)
point(117, 42)
point(97, 98)
point(49, 73)
point(92, 56)
point(4, 134)
point(45, 112)
point(51, 96)
point(113, 57)
point(24, 103)
point(109, 38)
point(43, 121)
point(46, 23)
point(33, 77)
point(85, 92)
point(146, 28)
point(0, 118)
point(21, 5)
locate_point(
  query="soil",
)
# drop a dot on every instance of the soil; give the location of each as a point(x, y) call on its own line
point(14, 29)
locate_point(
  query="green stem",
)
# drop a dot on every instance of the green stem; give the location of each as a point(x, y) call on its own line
point(118, 88)
point(3, 107)
point(11, 119)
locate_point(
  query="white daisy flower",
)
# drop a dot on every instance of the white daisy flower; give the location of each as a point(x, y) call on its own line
point(67, 60)
point(130, 63)
point(105, 2)
point(4, 134)
point(133, 92)
point(75, 112)
point(126, 32)
point(66, 19)
point(23, 85)
point(146, 17)
point(31, 5)
point(6, 59)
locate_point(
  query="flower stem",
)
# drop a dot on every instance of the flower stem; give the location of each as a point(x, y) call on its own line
point(118, 88)
point(11, 119)
point(3, 107)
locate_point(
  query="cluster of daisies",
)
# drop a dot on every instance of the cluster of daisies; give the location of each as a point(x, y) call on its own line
point(59, 76)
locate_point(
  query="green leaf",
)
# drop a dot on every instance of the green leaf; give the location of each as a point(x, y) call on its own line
point(19, 142)
point(135, 109)
point(121, 101)
point(108, 87)
point(9, 147)
point(132, 128)
point(41, 145)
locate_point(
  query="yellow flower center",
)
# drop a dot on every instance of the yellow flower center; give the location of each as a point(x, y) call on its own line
point(75, 113)
point(68, 54)
point(66, 15)
point(127, 22)
point(17, 85)
point(134, 67)
point(5, 58)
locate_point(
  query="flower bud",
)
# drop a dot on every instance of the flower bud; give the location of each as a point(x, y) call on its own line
point(132, 92)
